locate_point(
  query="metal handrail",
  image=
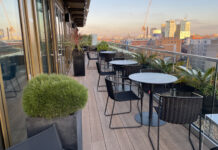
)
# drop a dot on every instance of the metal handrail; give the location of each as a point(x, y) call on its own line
point(205, 58)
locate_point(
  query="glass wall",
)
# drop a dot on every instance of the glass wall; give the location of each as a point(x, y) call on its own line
point(13, 66)
point(41, 26)
point(60, 39)
point(47, 13)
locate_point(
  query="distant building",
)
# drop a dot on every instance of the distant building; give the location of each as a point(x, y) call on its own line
point(212, 51)
point(138, 42)
point(170, 28)
point(163, 26)
point(169, 44)
point(155, 33)
point(94, 39)
point(185, 29)
point(1, 33)
point(198, 47)
point(181, 30)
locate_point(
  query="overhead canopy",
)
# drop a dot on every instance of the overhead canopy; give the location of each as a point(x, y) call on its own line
point(78, 10)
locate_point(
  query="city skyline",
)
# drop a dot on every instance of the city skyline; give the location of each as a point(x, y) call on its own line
point(116, 18)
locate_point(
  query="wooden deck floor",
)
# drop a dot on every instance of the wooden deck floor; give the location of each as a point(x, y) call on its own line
point(98, 136)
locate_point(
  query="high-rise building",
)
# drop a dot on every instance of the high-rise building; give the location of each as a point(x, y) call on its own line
point(170, 28)
point(185, 29)
point(163, 26)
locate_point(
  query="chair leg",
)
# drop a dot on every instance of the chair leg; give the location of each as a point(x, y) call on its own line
point(105, 110)
point(112, 116)
point(189, 136)
point(13, 87)
point(158, 134)
point(88, 64)
point(158, 131)
point(98, 82)
point(19, 87)
point(130, 104)
point(200, 135)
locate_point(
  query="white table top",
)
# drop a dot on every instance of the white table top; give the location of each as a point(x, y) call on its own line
point(153, 78)
point(213, 117)
point(123, 62)
point(108, 52)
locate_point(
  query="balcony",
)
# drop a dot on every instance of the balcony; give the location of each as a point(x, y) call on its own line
point(98, 135)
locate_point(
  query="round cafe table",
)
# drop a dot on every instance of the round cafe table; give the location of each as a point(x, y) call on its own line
point(123, 62)
point(108, 52)
point(152, 79)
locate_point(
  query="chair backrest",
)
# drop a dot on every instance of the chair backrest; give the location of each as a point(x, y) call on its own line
point(98, 67)
point(101, 55)
point(109, 85)
point(109, 57)
point(131, 69)
point(13, 70)
point(88, 55)
point(3, 67)
point(180, 110)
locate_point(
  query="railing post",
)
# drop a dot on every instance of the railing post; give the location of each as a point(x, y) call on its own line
point(214, 86)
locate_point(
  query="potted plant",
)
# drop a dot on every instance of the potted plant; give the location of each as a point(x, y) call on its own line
point(55, 99)
point(75, 42)
point(78, 56)
point(144, 59)
point(201, 82)
point(86, 42)
point(166, 66)
point(102, 46)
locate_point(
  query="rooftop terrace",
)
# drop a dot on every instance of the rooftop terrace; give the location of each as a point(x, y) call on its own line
point(98, 136)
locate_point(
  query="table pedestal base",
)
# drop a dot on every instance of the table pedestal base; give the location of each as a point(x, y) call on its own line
point(154, 122)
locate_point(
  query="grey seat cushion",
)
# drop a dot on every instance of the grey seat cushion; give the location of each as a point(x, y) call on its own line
point(46, 140)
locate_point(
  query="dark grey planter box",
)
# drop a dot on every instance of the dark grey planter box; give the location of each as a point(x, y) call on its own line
point(69, 129)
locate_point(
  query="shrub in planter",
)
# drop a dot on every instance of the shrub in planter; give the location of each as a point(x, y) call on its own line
point(144, 59)
point(202, 82)
point(49, 99)
point(103, 46)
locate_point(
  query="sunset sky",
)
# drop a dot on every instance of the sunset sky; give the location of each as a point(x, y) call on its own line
point(122, 17)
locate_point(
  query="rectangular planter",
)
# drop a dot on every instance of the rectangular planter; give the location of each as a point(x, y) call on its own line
point(69, 129)
point(79, 63)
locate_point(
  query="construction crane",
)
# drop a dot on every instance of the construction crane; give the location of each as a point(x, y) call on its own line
point(11, 28)
point(144, 29)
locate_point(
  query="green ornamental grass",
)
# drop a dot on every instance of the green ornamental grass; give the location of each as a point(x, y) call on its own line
point(51, 96)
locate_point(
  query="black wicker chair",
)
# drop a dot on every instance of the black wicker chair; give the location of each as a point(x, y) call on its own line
point(108, 58)
point(101, 73)
point(90, 58)
point(121, 96)
point(179, 110)
point(9, 76)
point(128, 70)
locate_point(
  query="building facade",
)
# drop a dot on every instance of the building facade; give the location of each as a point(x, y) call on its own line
point(170, 28)
point(32, 35)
